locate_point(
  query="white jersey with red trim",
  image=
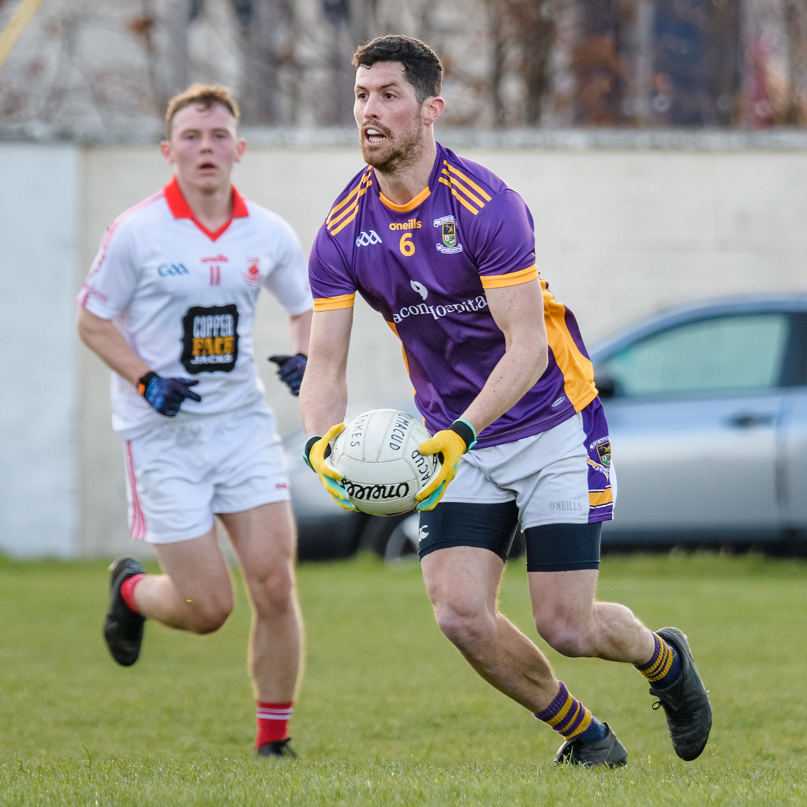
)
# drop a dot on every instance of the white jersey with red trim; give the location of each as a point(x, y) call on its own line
point(184, 298)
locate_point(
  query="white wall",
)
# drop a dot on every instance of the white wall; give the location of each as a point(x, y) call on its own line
point(39, 236)
point(621, 232)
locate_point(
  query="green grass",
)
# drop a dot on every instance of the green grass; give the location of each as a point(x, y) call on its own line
point(389, 713)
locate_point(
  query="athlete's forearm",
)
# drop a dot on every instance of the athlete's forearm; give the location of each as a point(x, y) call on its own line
point(300, 331)
point(104, 339)
point(512, 377)
point(519, 313)
point(323, 401)
point(323, 395)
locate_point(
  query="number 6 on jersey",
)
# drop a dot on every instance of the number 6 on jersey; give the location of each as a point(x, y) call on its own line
point(406, 245)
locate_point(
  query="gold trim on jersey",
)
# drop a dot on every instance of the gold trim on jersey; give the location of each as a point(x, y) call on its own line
point(578, 371)
point(422, 196)
point(458, 197)
point(349, 206)
point(454, 179)
point(511, 279)
point(596, 498)
point(467, 180)
point(334, 303)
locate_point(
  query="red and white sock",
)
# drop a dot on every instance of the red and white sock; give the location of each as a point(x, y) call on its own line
point(273, 722)
point(127, 590)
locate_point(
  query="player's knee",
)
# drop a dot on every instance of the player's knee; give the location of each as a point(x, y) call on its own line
point(564, 634)
point(463, 627)
point(273, 592)
point(207, 617)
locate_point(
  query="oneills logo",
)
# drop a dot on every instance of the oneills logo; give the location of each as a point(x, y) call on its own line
point(412, 224)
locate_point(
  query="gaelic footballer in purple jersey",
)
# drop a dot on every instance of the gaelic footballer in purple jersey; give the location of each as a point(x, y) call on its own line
point(425, 267)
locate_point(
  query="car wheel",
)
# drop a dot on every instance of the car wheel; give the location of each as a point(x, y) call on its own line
point(403, 542)
point(376, 532)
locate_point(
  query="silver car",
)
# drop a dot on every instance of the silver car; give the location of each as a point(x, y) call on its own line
point(707, 410)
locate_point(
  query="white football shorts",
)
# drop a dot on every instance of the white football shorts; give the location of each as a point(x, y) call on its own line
point(563, 475)
point(186, 469)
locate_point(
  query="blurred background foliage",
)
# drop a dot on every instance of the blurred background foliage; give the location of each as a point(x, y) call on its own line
point(102, 69)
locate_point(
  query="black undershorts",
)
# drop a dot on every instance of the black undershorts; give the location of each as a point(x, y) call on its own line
point(550, 547)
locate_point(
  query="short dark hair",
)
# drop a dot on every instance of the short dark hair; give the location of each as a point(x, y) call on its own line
point(204, 94)
point(421, 64)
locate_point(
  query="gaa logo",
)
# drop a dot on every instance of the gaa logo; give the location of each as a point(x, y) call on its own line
point(172, 269)
point(366, 239)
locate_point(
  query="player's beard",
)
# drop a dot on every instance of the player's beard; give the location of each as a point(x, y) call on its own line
point(398, 152)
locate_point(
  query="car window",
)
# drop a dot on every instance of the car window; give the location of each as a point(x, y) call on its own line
point(720, 354)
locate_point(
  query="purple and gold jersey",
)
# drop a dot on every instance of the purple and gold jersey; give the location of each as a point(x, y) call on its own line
point(425, 267)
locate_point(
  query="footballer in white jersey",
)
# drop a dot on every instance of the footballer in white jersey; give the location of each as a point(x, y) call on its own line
point(184, 297)
point(169, 305)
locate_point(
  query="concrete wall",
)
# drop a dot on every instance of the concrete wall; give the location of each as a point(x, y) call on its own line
point(621, 232)
point(39, 226)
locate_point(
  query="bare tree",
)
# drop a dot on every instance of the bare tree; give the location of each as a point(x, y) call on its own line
point(341, 23)
point(522, 34)
point(176, 17)
point(598, 65)
point(268, 31)
point(796, 23)
point(100, 67)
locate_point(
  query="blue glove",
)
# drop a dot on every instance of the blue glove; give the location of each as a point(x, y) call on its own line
point(291, 369)
point(167, 394)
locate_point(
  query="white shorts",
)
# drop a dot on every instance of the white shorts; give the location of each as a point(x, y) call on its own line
point(189, 468)
point(558, 476)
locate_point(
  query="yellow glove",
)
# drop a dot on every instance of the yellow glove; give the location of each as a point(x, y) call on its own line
point(314, 453)
point(452, 444)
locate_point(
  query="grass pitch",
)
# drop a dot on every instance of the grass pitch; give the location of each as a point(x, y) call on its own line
point(389, 713)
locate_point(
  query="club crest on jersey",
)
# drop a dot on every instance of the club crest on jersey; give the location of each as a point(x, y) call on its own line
point(603, 449)
point(252, 276)
point(448, 232)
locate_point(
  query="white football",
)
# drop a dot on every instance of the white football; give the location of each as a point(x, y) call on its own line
point(382, 469)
